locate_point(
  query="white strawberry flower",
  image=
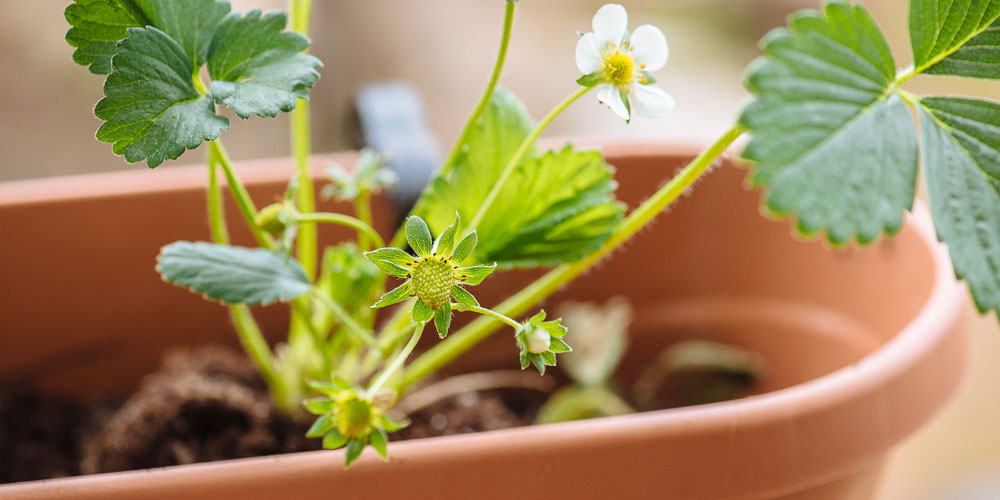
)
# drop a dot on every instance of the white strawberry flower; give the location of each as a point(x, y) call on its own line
point(619, 64)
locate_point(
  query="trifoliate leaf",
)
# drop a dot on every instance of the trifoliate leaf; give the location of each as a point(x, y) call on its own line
point(960, 149)
point(234, 275)
point(190, 22)
point(555, 208)
point(151, 109)
point(418, 236)
point(96, 28)
point(256, 67)
point(833, 145)
point(959, 38)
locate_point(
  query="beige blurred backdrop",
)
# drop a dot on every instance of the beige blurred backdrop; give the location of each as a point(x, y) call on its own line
point(445, 48)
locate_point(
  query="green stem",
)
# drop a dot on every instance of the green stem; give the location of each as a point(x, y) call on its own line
point(246, 327)
point(470, 122)
point(240, 194)
point(363, 210)
point(515, 160)
point(488, 312)
point(519, 303)
point(398, 360)
point(357, 331)
point(344, 220)
point(305, 199)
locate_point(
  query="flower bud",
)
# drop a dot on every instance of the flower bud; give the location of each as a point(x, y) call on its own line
point(269, 219)
point(538, 340)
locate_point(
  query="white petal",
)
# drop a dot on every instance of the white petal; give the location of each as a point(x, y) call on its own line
point(650, 47)
point(588, 54)
point(651, 102)
point(610, 23)
point(609, 95)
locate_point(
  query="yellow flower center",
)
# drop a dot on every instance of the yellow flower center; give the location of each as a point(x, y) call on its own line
point(354, 417)
point(433, 279)
point(618, 68)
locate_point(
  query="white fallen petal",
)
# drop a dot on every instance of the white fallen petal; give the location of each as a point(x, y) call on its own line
point(610, 23)
point(609, 95)
point(588, 54)
point(649, 47)
point(651, 102)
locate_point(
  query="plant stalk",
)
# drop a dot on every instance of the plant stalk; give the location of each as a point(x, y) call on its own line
point(240, 194)
point(397, 362)
point(460, 341)
point(359, 225)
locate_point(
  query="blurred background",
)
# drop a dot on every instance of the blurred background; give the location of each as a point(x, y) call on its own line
point(445, 49)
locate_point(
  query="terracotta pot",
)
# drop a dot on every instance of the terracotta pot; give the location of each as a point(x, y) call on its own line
point(863, 346)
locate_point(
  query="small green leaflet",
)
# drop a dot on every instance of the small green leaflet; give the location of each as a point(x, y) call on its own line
point(95, 28)
point(960, 38)
point(832, 144)
point(554, 208)
point(234, 275)
point(263, 77)
point(961, 158)
point(155, 48)
point(151, 109)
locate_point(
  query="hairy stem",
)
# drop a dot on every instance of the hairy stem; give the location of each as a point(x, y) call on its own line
point(460, 341)
point(518, 156)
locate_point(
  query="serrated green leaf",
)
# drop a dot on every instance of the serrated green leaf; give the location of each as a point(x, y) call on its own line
point(333, 440)
point(189, 22)
point(354, 448)
point(960, 149)
point(151, 109)
point(256, 67)
point(394, 296)
point(96, 26)
point(418, 235)
point(321, 426)
point(833, 145)
point(959, 38)
point(421, 312)
point(319, 405)
point(555, 208)
point(462, 296)
point(442, 320)
point(380, 442)
point(234, 275)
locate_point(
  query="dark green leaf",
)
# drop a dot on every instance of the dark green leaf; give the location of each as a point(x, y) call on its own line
point(151, 109)
point(234, 275)
point(256, 67)
point(832, 144)
point(961, 156)
point(96, 28)
point(190, 22)
point(552, 209)
point(956, 37)
point(418, 236)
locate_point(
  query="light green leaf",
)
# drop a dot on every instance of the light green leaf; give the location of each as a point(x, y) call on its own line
point(394, 296)
point(442, 319)
point(421, 312)
point(256, 67)
point(445, 241)
point(321, 387)
point(234, 275)
point(380, 442)
point(960, 149)
point(321, 426)
point(418, 236)
point(96, 26)
point(465, 248)
point(319, 405)
point(832, 145)
point(333, 440)
point(959, 38)
point(354, 448)
point(462, 296)
point(390, 424)
point(474, 275)
point(189, 22)
point(394, 255)
point(555, 208)
point(151, 109)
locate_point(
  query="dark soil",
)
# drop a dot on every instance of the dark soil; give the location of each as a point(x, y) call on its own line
point(201, 406)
